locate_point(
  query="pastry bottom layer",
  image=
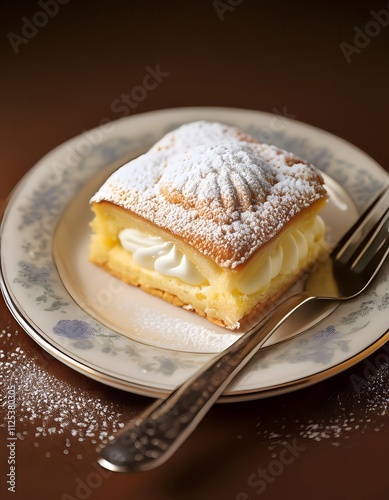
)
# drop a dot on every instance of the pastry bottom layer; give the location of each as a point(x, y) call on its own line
point(219, 297)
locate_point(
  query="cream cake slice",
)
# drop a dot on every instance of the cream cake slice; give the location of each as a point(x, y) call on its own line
point(211, 220)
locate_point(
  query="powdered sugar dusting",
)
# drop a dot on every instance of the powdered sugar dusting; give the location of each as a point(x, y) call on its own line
point(217, 188)
point(206, 179)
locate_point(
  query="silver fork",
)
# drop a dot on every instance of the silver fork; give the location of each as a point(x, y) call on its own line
point(156, 434)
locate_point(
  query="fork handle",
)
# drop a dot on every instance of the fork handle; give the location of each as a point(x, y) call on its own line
point(157, 433)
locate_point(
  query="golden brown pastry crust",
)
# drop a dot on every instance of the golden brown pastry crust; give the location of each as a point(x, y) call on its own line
point(216, 188)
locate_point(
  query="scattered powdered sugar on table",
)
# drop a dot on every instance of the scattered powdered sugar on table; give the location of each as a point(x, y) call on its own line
point(51, 406)
point(362, 408)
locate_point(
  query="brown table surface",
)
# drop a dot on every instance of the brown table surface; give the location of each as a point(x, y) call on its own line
point(324, 63)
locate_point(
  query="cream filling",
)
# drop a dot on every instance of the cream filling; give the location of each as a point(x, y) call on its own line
point(285, 258)
point(157, 254)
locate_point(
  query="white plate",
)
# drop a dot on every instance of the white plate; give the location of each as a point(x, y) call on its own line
point(127, 339)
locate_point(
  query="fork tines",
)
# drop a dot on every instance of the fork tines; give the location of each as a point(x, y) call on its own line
point(368, 237)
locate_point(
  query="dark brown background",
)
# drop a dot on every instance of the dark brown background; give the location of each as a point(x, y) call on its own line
point(263, 55)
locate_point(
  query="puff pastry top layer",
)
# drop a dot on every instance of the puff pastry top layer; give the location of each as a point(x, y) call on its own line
point(217, 188)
